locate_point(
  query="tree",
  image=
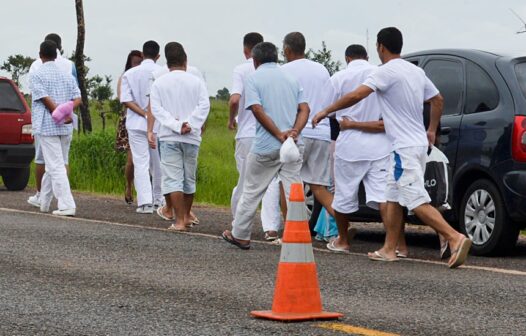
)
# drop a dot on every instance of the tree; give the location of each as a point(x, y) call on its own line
point(324, 56)
point(99, 89)
point(223, 94)
point(80, 58)
point(18, 66)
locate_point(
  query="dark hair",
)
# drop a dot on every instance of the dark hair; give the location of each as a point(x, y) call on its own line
point(295, 41)
point(265, 52)
point(48, 49)
point(55, 38)
point(391, 39)
point(356, 51)
point(175, 54)
point(251, 39)
point(133, 53)
point(150, 49)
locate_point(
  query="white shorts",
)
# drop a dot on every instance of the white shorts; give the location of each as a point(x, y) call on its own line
point(39, 157)
point(316, 162)
point(347, 177)
point(405, 181)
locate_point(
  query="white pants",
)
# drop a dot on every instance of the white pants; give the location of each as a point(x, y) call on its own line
point(261, 169)
point(146, 161)
point(55, 180)
point(270, 210)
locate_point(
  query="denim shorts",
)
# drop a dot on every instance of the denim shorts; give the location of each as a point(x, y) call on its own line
point(178, 167)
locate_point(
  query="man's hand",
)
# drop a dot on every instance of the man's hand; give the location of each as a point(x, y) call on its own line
point(293, 133)
point(68, 120)
point(185, 129)
point(152, 140)
point(283, 136)
point(318, 117)
point(346, 123)
point(431, 136)
point(232, 124)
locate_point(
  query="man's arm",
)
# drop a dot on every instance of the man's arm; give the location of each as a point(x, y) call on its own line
point(150, 122)
point(233, 105)
point(267, 122)
point(135, 108)
point(364, 126)
point(200, 113)
point(436, 105)
point(49, 104)
point(301, 120)
point(348, 100)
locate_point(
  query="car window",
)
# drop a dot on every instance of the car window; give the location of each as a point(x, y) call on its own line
point(9, 98)
point(481, 92)
point(520, 70)
point(448, 77)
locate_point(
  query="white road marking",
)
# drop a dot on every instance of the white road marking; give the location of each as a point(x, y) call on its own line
point(207, 235)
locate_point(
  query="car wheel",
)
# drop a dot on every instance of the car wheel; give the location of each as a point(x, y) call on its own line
point(15, 178)
point(484, 219)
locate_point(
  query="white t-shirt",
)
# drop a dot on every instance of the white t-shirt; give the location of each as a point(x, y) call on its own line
point(64, 64)
point(246, 122)
point(135, 87)
point(352, 144)
point(313, 78)
point(403, 88)
point(179, 97)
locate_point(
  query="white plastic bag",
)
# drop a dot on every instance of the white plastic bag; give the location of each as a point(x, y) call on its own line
point(289, 152)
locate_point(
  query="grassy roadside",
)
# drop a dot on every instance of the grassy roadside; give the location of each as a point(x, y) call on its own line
point(96, 167)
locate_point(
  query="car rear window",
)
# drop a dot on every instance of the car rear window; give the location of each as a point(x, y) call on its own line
point(520, 70)
point(9, 99)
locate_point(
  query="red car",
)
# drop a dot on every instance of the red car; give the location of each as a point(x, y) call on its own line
point(16, 141)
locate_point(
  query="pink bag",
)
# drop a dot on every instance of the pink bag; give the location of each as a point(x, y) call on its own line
point(62, 112)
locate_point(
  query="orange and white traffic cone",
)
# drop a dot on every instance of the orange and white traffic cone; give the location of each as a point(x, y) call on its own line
point(297, 293)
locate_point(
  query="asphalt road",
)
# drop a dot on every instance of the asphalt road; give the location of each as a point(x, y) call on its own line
point(119, 273)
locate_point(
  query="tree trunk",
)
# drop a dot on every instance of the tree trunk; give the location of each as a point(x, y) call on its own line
point(81, 69)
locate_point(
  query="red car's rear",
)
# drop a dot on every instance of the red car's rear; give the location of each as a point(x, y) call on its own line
point(16, 142)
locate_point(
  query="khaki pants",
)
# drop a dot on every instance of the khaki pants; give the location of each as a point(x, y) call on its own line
point(261, 169)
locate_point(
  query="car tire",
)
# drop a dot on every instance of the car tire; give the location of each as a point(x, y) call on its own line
point(15, 178)
point(483, 217)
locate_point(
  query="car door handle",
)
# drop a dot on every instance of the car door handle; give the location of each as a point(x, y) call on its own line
point(445, 130)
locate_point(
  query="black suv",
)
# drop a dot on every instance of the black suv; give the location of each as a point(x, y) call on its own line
point(483, 134)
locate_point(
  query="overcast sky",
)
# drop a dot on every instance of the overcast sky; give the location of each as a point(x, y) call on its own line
point(211, 31)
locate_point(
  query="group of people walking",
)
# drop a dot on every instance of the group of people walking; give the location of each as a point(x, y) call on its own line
point(383, 142)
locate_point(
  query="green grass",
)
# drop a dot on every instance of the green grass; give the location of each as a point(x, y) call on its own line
point(95, 166)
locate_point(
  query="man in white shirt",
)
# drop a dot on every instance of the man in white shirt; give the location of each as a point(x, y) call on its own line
point(68, 68)
point(166, 211)
point(245, 123)
point(135, 89)
point(180, 103)
point(313, 78)
point(362, 148)
point(402, 88)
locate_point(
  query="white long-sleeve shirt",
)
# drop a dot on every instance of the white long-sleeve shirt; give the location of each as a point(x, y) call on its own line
point(176, 98)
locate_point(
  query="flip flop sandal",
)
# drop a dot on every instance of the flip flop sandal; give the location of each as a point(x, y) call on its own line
point(400, 255)
point(377, 256)
point(162, 215)
point(173, 228)
point(270, 238)
point(461, 253)
point(336, 249)
point(445, 251)
point(234, 242)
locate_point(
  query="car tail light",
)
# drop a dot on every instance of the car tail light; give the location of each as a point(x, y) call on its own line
point(518, 145)
point(27, 134)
